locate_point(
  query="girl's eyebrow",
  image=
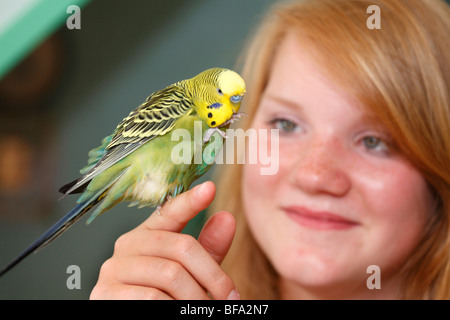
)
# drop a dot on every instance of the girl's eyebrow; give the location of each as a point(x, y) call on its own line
point(284, 102)
point(366, 118)
point(369, 119)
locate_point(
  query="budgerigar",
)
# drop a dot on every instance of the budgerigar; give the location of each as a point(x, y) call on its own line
point(134, 163)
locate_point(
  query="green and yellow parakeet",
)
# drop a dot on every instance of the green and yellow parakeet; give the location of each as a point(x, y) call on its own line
point(134, 163)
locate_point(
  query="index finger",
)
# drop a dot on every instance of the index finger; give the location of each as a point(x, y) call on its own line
point(176, 213)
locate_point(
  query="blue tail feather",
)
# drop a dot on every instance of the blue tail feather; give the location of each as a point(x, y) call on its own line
point(62, 225)
point(59, 227)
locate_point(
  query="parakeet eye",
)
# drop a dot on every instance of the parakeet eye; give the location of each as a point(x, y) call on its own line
point(219, 91)
point(235, 99)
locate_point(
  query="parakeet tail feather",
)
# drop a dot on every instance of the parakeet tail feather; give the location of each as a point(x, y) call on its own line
point(59, 227)
point(65, 188)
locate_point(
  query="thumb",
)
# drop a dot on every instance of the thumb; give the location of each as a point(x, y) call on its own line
point(217, 235)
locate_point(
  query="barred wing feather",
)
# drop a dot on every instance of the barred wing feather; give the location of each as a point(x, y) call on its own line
point(155, 117)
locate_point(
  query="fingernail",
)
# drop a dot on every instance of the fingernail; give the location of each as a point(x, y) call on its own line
point(234, 295)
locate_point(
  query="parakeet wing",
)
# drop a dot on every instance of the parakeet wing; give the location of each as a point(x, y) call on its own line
point(155, 117)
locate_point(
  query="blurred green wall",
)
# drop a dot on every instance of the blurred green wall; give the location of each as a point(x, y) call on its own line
point(124, 51)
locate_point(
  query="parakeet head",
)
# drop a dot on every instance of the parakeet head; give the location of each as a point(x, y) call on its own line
point(219, 95)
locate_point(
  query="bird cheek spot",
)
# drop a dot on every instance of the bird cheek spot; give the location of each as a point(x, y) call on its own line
point(216, 105)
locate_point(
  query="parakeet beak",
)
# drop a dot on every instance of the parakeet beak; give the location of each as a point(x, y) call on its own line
point(236, 101)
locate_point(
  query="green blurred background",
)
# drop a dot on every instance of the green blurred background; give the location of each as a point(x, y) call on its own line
point(68, 90)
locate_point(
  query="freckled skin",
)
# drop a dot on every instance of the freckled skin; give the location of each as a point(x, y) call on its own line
point(325, 166)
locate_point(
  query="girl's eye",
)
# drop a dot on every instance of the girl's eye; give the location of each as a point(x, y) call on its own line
point(375, 144)
point(284, 125)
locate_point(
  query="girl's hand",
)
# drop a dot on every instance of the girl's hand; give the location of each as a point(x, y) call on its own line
point(156, 261)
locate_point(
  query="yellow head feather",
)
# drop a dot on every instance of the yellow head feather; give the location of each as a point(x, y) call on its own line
point(219, 95)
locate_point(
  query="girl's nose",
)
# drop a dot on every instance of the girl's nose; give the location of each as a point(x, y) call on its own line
point(321, 169)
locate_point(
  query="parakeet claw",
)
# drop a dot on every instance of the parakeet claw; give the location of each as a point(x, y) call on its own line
point(235, 117)
point(210, 132)
point(168, 198)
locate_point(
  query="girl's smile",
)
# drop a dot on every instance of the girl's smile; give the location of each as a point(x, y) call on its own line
point(343, 198)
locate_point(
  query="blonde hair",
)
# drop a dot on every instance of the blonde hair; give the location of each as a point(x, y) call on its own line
point(401, 74)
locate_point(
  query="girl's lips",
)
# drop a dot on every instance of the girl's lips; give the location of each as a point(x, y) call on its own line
point(318, 220)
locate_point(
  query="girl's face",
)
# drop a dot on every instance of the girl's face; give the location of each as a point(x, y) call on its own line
point(342, 199)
